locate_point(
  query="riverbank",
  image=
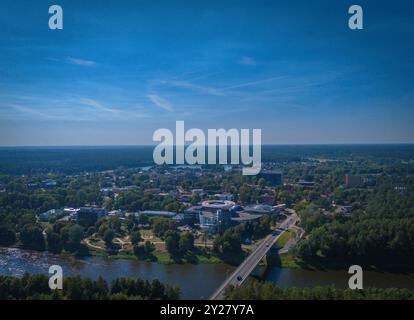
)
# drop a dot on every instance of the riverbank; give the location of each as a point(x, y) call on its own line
point(285, 260)
point(161, 257)
point(197, 256)
point(196, 281)
point(290, 261)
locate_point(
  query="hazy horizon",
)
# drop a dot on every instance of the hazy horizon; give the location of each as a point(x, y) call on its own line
point(153, 145)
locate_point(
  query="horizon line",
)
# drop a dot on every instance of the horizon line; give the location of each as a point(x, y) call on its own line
point(229, 145)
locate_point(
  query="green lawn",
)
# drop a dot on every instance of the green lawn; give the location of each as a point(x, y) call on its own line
point(287, 260)
point(284, 238)
point(165, 258)
point(162, 257)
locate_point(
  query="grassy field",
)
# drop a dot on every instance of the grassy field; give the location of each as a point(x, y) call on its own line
point(164, 258)
point(199, 254)
point(160, 255)
point(287, 260)
point(284, 238)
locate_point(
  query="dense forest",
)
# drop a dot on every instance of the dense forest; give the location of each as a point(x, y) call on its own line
point(380, 231)
point(34, 160)
point(36, 287)
point(255, 290)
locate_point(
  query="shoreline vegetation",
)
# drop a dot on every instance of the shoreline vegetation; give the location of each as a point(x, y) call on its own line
point(290, 261)
point(285, 260)
point(160, 257)
point(255, 290)
point(163, 258)
point(35, 287)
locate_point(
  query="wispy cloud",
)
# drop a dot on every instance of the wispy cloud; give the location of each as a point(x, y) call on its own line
point(195, 87)
point(97, 105)
point(44, 115)
point(68, 108)
point(255, 83)
point(81, 62)
point(112, 113)
point(160, 102)
point(32, 112)
point(247, 61)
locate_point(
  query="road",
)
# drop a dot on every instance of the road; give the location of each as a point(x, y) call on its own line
point(248, 265)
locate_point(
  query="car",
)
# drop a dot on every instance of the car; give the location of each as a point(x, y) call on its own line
point(267, 245)
point(239, 278)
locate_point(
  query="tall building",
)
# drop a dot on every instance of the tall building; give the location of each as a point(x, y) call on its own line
point(215, 222)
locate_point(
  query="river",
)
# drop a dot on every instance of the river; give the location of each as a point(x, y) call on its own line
point(194, 281)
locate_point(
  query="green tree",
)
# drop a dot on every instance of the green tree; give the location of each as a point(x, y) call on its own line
point(195, 199)
point(108, 237)
point(161, 225)
point(172, 239)
point(244, 194)
point(135, 237)
point(7, 236)
point(54, 242)
point(186, 242)
point(149, 247)
point(75, 235)
point(229, 244)
point(32, 238)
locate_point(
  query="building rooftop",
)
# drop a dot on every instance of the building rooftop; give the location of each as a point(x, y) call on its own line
point(259, 208)
point(218, 204)
point(158, 213)
point(245, 216)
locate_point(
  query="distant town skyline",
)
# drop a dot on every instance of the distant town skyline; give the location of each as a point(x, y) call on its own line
point(118, 71)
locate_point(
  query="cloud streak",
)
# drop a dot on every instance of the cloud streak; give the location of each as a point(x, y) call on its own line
point(195, 87)
point(44, 115)
point(160, 102)
point(80, 62)
point(97, 105)
point(105, 111)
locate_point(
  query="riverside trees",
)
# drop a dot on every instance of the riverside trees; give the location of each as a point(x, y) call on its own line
point(380, 231)
point(34, 287)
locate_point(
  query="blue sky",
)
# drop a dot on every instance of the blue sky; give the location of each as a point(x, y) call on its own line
point(119, 71)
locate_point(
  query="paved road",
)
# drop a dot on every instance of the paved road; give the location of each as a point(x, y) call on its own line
point(248, 265)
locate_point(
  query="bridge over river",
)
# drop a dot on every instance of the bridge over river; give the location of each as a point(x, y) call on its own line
point(238, 277)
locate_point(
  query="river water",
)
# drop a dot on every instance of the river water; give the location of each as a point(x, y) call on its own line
point(195, 281)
